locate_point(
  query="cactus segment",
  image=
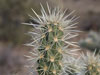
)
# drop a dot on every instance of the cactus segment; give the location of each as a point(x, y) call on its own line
point(91, 64)
point(51, 40)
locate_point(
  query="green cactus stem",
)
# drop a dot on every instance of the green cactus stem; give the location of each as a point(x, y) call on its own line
point(50, 48)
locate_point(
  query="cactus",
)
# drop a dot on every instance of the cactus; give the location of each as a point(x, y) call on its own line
point(51, 42)
point(91, 42)
point(91, 64)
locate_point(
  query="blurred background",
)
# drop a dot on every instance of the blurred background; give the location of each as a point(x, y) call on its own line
point(12, 32)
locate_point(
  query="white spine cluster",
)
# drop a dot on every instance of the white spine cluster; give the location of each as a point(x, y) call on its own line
point(91, 64)
point(58, 18)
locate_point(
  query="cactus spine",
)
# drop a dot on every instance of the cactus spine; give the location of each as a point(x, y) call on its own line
point(91, 64)
point(51, 37)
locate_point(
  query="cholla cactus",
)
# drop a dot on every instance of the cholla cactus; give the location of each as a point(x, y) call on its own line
point(51, 40)
point(91, 42)
point(92, 64)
